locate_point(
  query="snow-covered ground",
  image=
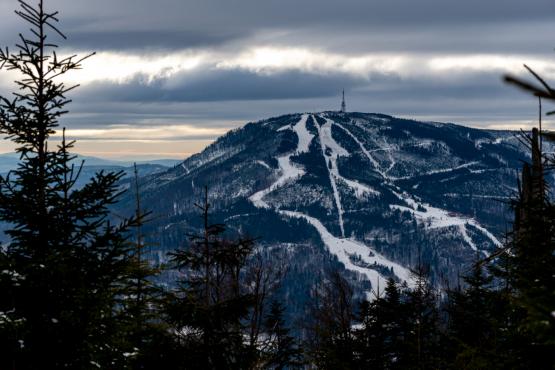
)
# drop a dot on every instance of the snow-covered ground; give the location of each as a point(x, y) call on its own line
point(433, 218)
point(343, 248)
point(331, 151)
point(355, 255)
point(288, 170)
point(435, 172)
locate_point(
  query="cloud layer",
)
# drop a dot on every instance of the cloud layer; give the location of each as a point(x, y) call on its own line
point(185, 71)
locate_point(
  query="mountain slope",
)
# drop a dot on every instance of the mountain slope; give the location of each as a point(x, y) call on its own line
point(370, 193)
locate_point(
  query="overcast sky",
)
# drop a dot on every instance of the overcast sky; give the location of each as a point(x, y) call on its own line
point(171, 75)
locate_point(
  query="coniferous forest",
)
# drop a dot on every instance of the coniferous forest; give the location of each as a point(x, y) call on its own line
point(77, 290)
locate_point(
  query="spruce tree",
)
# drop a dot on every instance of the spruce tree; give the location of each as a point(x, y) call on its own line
point(423, 338)
point(381, 339)
point(475, 317)
point(527, 265)
point(64, 269)
point(139, 314)
point(208, 309)
point(529, 257)
point(330, 334)
point(284, 351)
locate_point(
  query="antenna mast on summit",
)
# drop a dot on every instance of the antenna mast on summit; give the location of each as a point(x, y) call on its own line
point(343, 106)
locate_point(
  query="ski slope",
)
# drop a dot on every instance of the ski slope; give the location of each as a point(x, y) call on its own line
point(343, 248)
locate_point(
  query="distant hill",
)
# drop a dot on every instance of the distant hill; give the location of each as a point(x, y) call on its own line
point(8, 161)
point(92, 165)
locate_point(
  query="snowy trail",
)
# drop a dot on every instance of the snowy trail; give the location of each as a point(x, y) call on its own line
point(305, 137)
point(344, 248)
point(288, 173)
point(331, 151)
point(288, 170)
point(392, 161)
point(355, 255)
point(359, 189)
point(264, 164)
point(327, 143)
point(444, 170)
point(437, 217)
point(467, 238)
point(372, 160)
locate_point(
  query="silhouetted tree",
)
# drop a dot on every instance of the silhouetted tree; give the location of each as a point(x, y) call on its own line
point(423, 339)
point(208, 309)
point(474, 321)
point(147, 335)
point(330, 335)
point(381, 338)
point(527, 265)
point(65, 268)
point(282, 351)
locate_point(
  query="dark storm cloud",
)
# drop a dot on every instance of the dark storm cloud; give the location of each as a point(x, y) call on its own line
point(349, 24)
point(150, 40)
point(222, 85)
point(211, 101)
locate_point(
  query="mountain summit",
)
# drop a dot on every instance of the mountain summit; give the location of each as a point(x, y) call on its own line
point(371, 193)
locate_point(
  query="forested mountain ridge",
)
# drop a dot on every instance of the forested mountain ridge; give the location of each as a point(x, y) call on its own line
point(370, 191)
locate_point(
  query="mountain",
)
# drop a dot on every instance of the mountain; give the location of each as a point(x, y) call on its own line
point(368, 193)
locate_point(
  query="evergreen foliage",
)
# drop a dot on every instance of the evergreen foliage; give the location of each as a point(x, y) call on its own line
point(284, 352)
point(66, 268)
point(330, 334)
point(473, 333)
point(77, 292)
point(381, 339)
point(208, 308)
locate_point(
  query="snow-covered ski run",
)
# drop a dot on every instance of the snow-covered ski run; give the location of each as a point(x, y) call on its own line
point(354, 255)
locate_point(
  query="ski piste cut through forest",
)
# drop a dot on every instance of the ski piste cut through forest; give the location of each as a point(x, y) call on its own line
point(80, 290)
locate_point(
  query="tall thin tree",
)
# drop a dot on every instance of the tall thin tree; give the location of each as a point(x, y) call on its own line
point(66, 263)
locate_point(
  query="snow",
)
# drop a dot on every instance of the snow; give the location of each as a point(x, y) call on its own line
point(467, 238)
point(305, 137)
point(499, 140)
point(344, 248)
point(431, 216)
point(327, 143)
point(288, 170)
point(210, 156)
point(443, 170)
point(347, 248)
point(360, 189)
point(477, 196)
point(372, 160)
point(435, 218)
point(283, 128)
point(262, 163)
point(341, 247)
point(288, 173)
point(392, 162)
